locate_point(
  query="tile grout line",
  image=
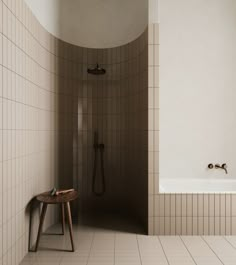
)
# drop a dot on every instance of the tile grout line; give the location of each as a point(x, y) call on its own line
point(90, 248)
point(1, 257)
point(158, 238)
point(114, 255)
point(212, 249)
point(187, 250)
point(139, 250)
point(224, 237)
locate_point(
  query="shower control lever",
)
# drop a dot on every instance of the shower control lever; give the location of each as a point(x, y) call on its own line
point(210, 166)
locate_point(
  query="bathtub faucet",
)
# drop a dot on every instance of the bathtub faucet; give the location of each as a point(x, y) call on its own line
point(223, 166)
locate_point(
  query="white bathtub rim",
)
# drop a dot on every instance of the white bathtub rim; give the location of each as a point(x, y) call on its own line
point(164, 188)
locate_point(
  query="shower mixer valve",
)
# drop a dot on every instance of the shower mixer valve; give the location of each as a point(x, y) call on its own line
point(218, 166)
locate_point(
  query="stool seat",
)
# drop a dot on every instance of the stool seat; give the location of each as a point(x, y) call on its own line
point(62, 199)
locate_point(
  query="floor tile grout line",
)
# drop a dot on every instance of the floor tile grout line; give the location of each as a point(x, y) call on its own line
point(139, 250)
point(158, 238)
point(228, 242)
point(187, 250)
point(212, 249)
point(90, 249)
point(114, 262)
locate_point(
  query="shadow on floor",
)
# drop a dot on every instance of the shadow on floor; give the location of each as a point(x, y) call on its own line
point(114, 222)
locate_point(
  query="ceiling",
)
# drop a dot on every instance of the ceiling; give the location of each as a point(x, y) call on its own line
point(92, 23)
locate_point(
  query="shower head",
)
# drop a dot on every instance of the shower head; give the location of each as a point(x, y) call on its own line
point(96, 70)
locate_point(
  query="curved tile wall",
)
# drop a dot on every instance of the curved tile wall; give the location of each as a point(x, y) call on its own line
point(115, 106)
point(33, 120)
point(50, 108)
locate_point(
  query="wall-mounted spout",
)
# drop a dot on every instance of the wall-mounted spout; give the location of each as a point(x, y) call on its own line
point(223, 166)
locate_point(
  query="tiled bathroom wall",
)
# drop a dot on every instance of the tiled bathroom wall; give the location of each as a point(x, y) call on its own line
point(113, 105)
point(37, 82)
point(194, 214)
point(153, 120)
point(50, 109)
point(179, 214)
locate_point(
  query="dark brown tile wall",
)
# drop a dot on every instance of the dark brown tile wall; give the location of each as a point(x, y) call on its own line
point(115, 106)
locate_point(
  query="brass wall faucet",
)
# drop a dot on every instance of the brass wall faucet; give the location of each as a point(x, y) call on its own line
point(223, 166)
point(218, 166)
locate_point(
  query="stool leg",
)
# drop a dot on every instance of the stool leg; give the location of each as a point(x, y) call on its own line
point(70, 224)
point(63, 218)
point(42, 216)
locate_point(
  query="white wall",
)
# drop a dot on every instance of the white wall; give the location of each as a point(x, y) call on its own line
point(197, 87)
point(92, 23)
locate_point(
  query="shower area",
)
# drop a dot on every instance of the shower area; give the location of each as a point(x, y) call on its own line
point(103, 100)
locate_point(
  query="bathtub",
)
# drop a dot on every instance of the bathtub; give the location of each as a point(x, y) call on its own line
point(197, 185)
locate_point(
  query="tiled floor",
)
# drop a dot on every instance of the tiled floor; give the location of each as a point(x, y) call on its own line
point(104, 246)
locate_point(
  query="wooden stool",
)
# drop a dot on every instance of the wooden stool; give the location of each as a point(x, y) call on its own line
point(64, 200)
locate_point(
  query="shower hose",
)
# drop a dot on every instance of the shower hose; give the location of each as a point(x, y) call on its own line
point(98, 147)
